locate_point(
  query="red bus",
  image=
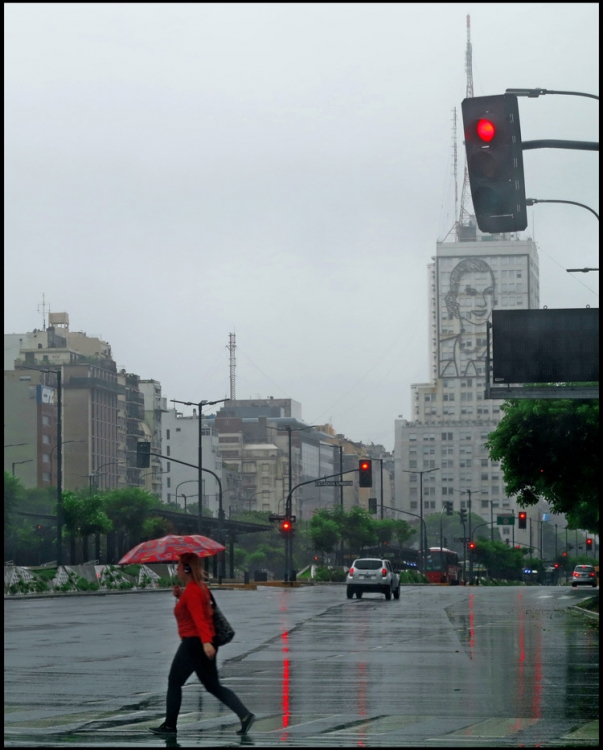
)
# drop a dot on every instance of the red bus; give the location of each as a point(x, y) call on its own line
point(442, 566)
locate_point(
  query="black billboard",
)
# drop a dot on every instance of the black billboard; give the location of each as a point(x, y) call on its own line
point(545, 346)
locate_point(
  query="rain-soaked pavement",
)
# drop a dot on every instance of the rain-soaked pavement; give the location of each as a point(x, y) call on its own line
point(443, 666)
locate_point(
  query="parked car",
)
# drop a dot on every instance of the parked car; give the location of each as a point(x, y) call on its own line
point(372, 574)
point(584, 575)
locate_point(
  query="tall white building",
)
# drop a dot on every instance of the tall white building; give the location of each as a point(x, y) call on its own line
point(450, 419)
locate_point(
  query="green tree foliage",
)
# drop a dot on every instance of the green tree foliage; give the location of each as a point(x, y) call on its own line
point(13, 493)
point(359, 529)
point(501, 560)
point(324, 532)
point(156, 527)
point(550, 449)
point(128, 509)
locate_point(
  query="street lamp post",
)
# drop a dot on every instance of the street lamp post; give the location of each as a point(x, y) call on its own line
point(54, 447)
point(423, 533)
point(469, 493)
point(200, 405)
point(288, 541)
point(16, 463)
point(186, 481)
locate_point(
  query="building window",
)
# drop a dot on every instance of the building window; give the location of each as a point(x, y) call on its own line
point(412, 436)
point(413, 504)
point(45, 476)
point(485, 503)
point(168, 467)
point(506, 531)
point(169, 482)
point(45, 420)
point(168, 450)
point(46, 458)
point(167, 434)
point(46, 439)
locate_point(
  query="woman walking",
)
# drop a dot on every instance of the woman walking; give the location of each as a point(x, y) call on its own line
point(197, 651)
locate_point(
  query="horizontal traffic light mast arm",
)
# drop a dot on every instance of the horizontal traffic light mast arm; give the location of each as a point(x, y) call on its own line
point(556, 143)
point(185, 463)
point(532, 201)
point(311, 481)
point(535, 93)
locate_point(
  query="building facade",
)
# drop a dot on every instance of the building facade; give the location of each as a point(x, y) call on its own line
point(440, 450)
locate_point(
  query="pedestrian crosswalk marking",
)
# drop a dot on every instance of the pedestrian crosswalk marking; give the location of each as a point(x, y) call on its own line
point(490, 728)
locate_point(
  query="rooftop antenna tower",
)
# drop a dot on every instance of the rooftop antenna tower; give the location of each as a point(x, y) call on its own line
point(45, 306)
point(232, 345)
point(464, 215)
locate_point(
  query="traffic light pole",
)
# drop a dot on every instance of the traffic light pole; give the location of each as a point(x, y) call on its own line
point(288, 541)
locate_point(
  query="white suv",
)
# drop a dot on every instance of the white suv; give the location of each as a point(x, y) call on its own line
point(372, 574)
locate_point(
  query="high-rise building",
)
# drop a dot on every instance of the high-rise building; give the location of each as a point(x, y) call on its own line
point(441, 448)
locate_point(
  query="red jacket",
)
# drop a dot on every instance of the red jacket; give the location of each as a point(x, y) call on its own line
point(194, 613)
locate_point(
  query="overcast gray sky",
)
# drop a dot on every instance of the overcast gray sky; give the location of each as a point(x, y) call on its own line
point(176, 172)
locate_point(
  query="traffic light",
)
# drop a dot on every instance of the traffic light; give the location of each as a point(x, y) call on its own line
point(39, 529)
point(463, 514)
point(286, 528)
point(523, 520)
point(372, 505)
point(565, 554)
point(495, 162)
point(449, 508)
point(365, 469)
point(143, 455)
point(445, 541)
point(589, 544)
point(472, 546)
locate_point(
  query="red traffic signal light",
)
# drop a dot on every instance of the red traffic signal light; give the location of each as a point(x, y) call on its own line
point(365, 473)
point(286, 527)
point(523, 519)
point(486, 130)
point(471, 545)
point(589, 544)
point(565, 554)
point(495, 162)
point(556, 565)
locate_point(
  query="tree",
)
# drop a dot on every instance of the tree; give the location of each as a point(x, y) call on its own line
point(324, 532)
point(128, 509)
point(359, 530)
point(549, 448)
point(501, 560)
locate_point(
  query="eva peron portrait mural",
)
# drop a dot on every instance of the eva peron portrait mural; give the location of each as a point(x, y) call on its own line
point(468, 303)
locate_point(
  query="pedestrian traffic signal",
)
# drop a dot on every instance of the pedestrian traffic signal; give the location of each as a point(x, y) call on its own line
point(463, 514)
point(449, 508)
point(589, 544)
point(495, 162)
point(372, 505)
point(143, 455)
point(523, 520)
point(365, 469)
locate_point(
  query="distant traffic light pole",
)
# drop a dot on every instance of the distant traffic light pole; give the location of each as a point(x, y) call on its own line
point(423, 541)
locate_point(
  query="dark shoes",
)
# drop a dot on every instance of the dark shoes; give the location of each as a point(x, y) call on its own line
point(246, 724)
point(165, 730)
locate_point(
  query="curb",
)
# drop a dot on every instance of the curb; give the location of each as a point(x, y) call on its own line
point(588, 613)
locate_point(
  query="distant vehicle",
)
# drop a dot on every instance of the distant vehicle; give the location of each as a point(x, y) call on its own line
point(443, 566)
point(372, 574)
point(584, 575)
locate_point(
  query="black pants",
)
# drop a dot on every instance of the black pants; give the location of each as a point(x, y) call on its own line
point(190, 658)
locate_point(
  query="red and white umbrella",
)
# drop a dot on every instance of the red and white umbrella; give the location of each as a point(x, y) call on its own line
point(169, 548)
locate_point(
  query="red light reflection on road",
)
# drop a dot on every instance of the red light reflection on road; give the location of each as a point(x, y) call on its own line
point(471, 627)
point(285, 689)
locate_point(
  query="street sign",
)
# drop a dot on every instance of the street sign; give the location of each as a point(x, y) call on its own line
point(337, 483)
point(505, 520)
point(273, 517)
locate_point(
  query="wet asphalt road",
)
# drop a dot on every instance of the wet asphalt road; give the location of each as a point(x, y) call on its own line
point(443, 666)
